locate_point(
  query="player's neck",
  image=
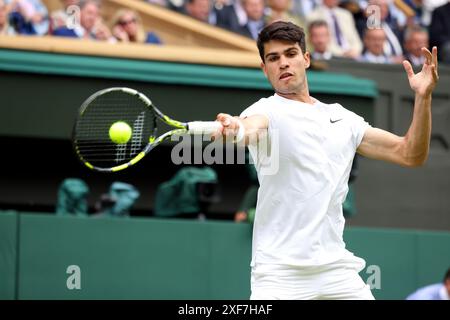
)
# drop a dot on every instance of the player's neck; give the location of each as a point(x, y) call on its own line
point(297, 96)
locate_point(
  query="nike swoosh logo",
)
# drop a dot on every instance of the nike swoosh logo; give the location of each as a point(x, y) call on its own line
point(333, 121)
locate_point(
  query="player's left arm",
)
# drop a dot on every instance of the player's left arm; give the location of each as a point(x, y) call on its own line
point(412, 149)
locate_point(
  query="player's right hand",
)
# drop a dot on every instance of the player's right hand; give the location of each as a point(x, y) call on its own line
point(230, 126)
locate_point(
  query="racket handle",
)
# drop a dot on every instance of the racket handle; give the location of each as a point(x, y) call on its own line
point(203, 127)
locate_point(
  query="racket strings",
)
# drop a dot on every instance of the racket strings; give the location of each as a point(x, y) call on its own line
point(92, 139)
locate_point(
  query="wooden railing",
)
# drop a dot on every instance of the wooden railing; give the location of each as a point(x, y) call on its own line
point(184, 54)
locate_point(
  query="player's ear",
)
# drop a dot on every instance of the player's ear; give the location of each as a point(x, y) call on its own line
point(263, 67)
point(307, 57)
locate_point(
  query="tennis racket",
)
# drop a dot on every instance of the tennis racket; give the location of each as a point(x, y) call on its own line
point(139, 121)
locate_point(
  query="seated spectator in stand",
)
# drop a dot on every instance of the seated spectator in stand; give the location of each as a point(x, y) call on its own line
point(103, 33)
point(89, 16)
point(231, 17)
point(391, 27)
point(127, 27)
point(345, 40)
point(302, 8)
point(423, 10)
point(440, 31)
point(255, 18)
point(29, 17)
point(438, 291)
point(374, 44)
point(63, 17)
point(161, 3)
point(319, 38)
point(280, 10)
point(198, 9)
point(415, 39)
point(5, 27)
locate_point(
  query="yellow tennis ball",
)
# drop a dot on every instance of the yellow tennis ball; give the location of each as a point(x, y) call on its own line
point(120, 132)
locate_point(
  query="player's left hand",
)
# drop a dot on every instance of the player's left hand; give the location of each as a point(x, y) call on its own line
point(424, 82)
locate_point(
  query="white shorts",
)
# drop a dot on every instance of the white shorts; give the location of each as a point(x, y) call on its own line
point(337, 281)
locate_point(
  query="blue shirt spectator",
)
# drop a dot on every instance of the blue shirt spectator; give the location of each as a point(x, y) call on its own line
point(438, 291)
point(89, 17)
point(432, 292)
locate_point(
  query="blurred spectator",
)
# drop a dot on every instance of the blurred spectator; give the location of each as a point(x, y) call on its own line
point(280, 10)
point(102, 32)
point(161, 3)
point(60, 18)
point(248, 204)
point(374, 47)
point(177, 5)
point(231, 17)
point(319, 38)
point(255, 18)
point(29, 17)
point(89, 15)
point(127, 27)
point(345, 40)
point(5, 27)
point(440, 31)
point(391, 27)
point(423, 10)
point(415, 39)
point(219, 4)
point(395, 16)
point(198, 9)
point(302, 8)
point(438, 291)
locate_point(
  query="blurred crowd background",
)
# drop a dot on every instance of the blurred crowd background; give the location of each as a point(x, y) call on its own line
point(376, 31)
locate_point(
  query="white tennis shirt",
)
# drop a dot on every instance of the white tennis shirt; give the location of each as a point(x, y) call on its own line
point(299, 219)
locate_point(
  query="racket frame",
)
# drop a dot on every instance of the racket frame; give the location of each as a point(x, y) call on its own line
point(181, 128)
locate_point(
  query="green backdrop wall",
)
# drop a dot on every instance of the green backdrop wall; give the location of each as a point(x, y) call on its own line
point(149, 258)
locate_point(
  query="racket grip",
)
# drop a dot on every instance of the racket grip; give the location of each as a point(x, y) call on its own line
point(203, 127)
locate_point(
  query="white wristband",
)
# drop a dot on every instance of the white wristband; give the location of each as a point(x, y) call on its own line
point(241, 133)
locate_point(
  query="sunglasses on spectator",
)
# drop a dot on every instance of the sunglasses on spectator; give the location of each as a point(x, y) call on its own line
point(125, 22)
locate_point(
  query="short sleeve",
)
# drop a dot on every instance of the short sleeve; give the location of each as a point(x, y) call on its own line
point(258, 108)
point(261, 150)
point(359, 127)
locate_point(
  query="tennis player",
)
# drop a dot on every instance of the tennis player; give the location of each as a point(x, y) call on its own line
point(298, 250)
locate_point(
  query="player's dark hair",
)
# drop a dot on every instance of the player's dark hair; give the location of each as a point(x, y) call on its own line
point(281, 30)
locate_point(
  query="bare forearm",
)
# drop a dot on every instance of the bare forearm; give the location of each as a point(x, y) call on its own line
point(254, 127)
point(417, 139)
point(241, 129)
point(412, 149)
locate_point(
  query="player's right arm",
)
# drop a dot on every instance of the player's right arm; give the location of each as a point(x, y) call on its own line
point(250, 127)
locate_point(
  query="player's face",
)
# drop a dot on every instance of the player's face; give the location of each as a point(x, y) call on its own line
point(285, 66)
